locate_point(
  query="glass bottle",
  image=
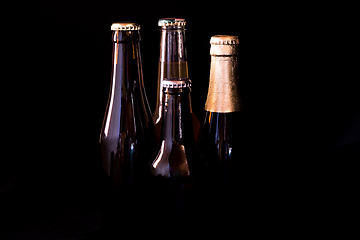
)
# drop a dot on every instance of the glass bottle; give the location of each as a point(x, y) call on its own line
point(172, 62)
point(127, 137)
point(177, 167)
point(220, 133)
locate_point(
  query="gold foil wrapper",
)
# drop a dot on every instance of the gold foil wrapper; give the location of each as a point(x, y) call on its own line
point(223, 93)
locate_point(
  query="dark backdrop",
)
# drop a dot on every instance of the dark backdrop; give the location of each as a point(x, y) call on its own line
point(297, 91)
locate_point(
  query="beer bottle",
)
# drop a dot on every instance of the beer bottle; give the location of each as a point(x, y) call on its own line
point(127, 136)
point(177, 166)
point(220, 133)
point(172, 62)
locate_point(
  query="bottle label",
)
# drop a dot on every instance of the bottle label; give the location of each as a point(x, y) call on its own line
point(223, 93)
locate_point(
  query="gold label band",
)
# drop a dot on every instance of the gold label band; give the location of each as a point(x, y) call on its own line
point(223, 93)
point(221, 50)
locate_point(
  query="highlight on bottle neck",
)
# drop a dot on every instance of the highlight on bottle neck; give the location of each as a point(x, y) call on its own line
point(224, 45)
point(125, 31)
point(176, 109)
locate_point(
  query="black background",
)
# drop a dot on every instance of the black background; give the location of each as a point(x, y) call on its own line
point(297, 89)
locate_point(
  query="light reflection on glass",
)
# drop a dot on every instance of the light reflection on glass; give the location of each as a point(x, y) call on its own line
point(156, 162)
point(106, 131)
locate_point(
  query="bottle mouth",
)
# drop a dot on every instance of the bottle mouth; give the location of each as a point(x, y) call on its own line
point(125, 36)
point(172, 28)
point(125, 31)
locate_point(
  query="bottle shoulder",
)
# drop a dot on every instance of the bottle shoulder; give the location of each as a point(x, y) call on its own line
point(220, 134)
point(217, 121)
point(175, 160)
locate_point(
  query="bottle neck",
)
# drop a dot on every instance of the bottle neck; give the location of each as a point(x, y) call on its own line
point(223, 93)
point(172, 60)
point(127, 68)
point(177, 121)
point(172, 45)
point(126, 75)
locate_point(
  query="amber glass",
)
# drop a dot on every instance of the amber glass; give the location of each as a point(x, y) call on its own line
point(177, 167)
point(220, 138)
point(172, 64)
point(127, 136)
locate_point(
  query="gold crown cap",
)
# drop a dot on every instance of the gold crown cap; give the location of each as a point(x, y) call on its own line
point(224, 40)
point(125, 26)
point(176, 83)
point(171, 22)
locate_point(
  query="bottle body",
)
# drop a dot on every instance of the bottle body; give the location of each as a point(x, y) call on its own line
point(172, 63)
point(128, 131)
point(177, 167)
point(127, 135)
point(220, 142)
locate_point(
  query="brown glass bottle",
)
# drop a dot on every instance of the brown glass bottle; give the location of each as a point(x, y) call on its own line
point(172, 63)
point(127, 136)
point(220, 138)
point(177, 166)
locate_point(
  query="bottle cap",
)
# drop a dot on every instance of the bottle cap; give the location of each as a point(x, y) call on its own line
point(125, 26)
point(224, 45)
point(176, 83)
point(171, 22)
point(224, 40)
